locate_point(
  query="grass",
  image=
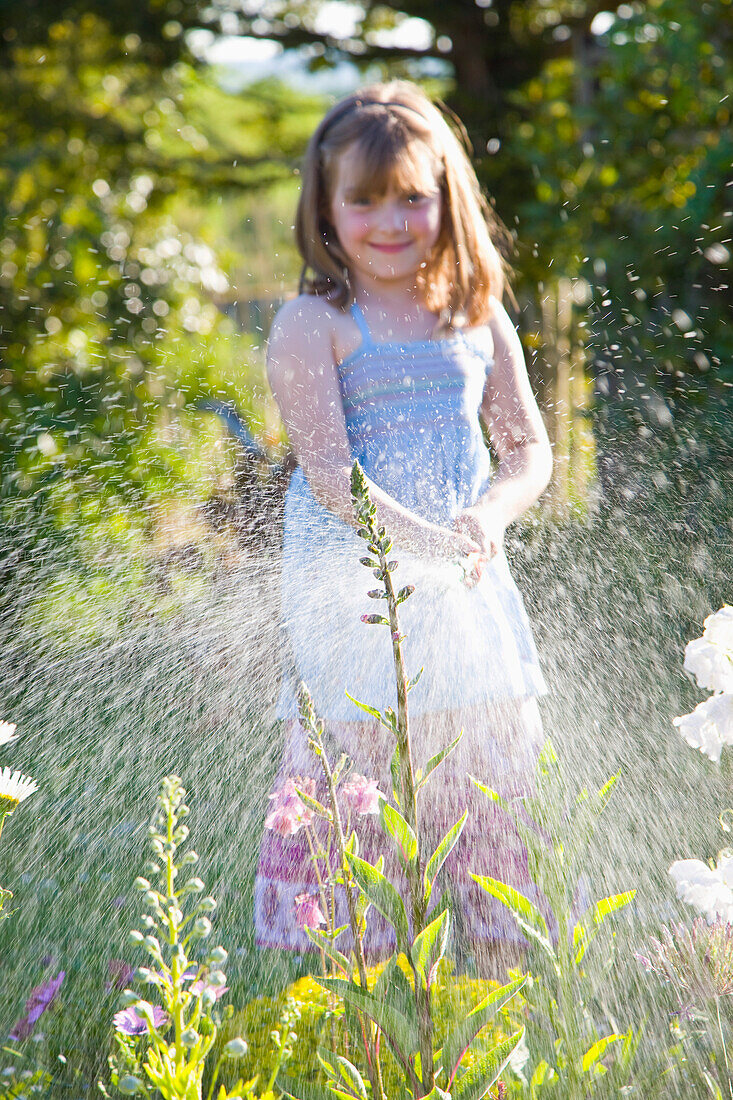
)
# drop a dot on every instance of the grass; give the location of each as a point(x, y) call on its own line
point(614, 599)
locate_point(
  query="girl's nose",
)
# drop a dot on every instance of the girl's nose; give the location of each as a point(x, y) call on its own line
point(394, 217)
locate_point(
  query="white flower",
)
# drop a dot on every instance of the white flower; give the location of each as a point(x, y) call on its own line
point(719, 628)
point(15, 787)
point(710, 664)
point(707, 889)
point(7, 733)
point(710, 726)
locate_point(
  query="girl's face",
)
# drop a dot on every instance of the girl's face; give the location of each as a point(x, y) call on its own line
point(387, 236)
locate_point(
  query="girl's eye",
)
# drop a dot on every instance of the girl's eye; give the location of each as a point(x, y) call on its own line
point(414, 197)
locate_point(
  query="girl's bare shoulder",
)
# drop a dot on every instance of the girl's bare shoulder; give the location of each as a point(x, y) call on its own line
point(309, 322)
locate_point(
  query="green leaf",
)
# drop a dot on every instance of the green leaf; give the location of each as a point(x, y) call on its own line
point(324, 943)
point(437, 760)
point(314, 805)
point(595, 1052)
point(302, 1089)
point(466, 1031)
point(477, 1081)
point(401, 1031)
point(441, 853)
point(611, 904)
point(394, 823)
point(351, 1076)
point(365, 707)
point(543, 1075)
point(429, 947)
point(392, 985)
point(597, 915)
point(415, 679)
point(383, 896)
point(437, 1094)
point(527, 915)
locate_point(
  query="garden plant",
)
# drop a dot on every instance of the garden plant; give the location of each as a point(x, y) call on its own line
point(397, 1008)
point(162, 1048)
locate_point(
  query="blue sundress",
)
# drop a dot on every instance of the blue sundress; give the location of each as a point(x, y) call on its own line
point(412, 418)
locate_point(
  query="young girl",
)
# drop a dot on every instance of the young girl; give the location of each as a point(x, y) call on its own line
point(395, 350)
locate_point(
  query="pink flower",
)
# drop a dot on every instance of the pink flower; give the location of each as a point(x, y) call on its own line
point(289, 814)
point(201, 986)
point(361, 795)
point(129, 1023)
point(40, 998)
point(307, 911)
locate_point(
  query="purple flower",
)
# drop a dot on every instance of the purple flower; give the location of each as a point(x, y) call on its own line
point(361, 795)
point(129, 1023)
point(307, 911)
point(40, 998)
point(120, 974)
point(289, 813)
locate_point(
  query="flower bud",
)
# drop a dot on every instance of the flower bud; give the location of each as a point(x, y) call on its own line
point(135, 937)
point(194, 886)
point(218, 957)
point(128, 998)
point(201, 928)
point(129, 1085)
point(207, 905)
point(235, 1048)
point(141, 884)
point(189, 1037)
point(189, 858)
point(152, 898)
point(217, 978)
point(152, 945)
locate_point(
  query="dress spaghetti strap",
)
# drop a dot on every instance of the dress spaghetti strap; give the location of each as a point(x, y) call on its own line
point(363, 327)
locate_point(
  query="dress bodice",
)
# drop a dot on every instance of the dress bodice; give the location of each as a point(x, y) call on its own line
point(412, 417)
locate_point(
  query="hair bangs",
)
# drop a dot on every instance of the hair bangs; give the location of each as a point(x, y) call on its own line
point(387, 159)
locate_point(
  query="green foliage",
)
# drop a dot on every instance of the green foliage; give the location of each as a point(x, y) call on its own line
point(109, 282)
point(571, 1056)
point(628, 140)
point(321, 1026)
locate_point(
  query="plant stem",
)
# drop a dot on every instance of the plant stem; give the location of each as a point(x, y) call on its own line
point(725, 1052)
point(375, 1074)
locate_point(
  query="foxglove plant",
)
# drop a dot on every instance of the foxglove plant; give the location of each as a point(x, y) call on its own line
point(398, 1009)
point(560, 1028)
point(162, 1048)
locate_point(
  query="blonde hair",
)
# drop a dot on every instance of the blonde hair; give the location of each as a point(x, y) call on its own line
point(390, 125)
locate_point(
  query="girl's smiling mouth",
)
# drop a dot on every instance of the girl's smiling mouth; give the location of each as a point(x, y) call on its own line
point(397, 247)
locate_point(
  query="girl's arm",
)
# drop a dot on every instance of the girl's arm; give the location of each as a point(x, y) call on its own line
point(301, 368)
point(518, 437)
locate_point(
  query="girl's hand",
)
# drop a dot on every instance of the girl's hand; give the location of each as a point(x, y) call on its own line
point(484, 526)
point(461, 547)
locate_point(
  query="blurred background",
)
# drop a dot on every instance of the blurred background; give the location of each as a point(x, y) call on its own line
point(148, 178)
